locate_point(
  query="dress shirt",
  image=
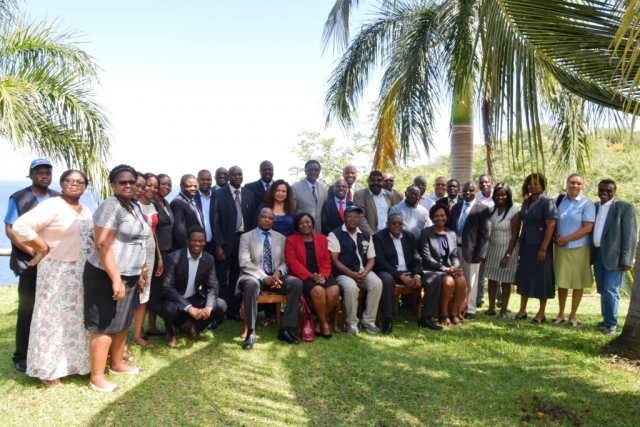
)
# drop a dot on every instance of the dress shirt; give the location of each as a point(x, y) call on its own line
point(598, 228)
point(191, 281)
point(471, 205)
point(382, 207)
point(414, 218)
point(572, 214)
point(426, 202)
point(334, 244)
point(206, 208)
point(233, 195)
point(434, 197)
point(350, 191)
point(193, 205)
point(266, 185)
point(262, 239)
point(344, 203)
point(402, 264)
point(487, 201)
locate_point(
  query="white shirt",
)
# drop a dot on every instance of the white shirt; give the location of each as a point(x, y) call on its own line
point(233, 194)
point(601, 218)
point(487, 201)
point(191, 281)
point(402, 264)
point(426, 202)
point(382, 207)
point(334, 244)
point(206, 208)
point(471, 205)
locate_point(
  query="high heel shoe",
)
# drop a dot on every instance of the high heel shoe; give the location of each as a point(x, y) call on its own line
point(537, 322)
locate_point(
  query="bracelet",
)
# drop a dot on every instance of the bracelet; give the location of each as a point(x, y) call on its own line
point(507, 255)
point(145, 269)
point(46, 249)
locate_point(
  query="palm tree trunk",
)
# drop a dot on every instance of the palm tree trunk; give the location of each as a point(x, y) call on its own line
point(488, 135)
point(462, 136)
point(627, 344)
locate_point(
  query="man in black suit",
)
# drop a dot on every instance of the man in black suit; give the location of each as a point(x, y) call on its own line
point(190, 289)
point(332, 216)
point(398, 261)
point(453, 187)
point(206, 202)
point(259, 188)
point(472, 222)
point(235, 210)
point(350, 175)
point(185, 211)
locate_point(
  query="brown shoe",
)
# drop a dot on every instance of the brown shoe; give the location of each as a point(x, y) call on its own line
point(190, 329)
point(171, 341)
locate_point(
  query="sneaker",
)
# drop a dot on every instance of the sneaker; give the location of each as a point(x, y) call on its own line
point(372, 329)
point(610, 330)
point(600, 324)
point(352, 330)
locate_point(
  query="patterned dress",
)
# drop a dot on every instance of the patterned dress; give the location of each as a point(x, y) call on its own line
point(151, 217)
point(59, 343)
point(498, 245)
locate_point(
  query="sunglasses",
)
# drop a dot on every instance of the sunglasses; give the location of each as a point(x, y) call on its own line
point(313, 170)
point(125, 183)
point(77, 182)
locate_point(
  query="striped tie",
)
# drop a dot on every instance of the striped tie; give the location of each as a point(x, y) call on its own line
point(267, 263)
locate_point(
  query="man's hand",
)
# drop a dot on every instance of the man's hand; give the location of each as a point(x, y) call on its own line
point(272, 282)
point(220, 254)
point(479, 259)
point(406, 280)
point(196, 313)
point(625, 267)
point(206, 312)
point(417, 281)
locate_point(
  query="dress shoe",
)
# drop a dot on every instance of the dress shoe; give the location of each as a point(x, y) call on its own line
point(387, 327)
point(21, 365)
point(287, 337)
point(425, 322)
point(215, 323)
point(171, 341)
point(237, 317)
point(469, 316)
point(190, 329)
point(249, 341)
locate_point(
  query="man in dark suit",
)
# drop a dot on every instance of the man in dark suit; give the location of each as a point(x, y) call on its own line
point(206, 202)
point(259, 188)
point(349, 174)
point(472, 222)
point(333, 209)
point(614, 240)
point(263, 267)
point(453, 187)
point(190, 289)
point(398, 261)
point(235, 210)
point(185, 211)
point(375, 203)
point(388, 181)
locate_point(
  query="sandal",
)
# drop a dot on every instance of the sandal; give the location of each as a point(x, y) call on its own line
point(455, 320)
point(51, 383)
point(142, 343)
point(444, 320)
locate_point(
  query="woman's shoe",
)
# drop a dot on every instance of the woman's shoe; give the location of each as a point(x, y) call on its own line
point(516, 317)
point(444, 321)
point(573, 323)
point(109, 389)
point(558, 321)
point(268, 321)
point(328, 337)
point(490, 313)
point(134, 371)
point(455, 320)
point(537, 322)
point(51, 383)
point(503, 315)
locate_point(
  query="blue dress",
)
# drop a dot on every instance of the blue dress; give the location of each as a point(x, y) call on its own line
point(283, 224)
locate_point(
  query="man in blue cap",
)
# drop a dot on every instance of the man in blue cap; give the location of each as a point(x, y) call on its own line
point(20, 203)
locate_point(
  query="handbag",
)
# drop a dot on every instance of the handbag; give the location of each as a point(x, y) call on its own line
point(308, 329)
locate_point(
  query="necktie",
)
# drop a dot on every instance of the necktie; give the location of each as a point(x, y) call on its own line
point(452, 203)
point(463, 219)
point(349, 194)
point(342, 210)
point(238, 211)
point(267, 263)
point(266, 187)
point(194, 206)
point(313, 191)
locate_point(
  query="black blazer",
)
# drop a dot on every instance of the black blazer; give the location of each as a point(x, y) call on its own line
point(184, 218)
point(164, 229)
point(224, 232)
point(212, 209)
point(331, 216)
point(257, 188)
point(430, 249)
point(387, 256)
point(176, 276)
point(477, 230)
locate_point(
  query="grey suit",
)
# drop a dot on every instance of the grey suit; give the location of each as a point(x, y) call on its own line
point(369, 220)
point(306, 203)
point(250, 257)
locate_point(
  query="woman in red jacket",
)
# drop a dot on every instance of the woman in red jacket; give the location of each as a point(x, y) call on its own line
point(307, 255)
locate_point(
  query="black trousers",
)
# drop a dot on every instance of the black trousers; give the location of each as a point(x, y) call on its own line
point(155, 295)
point(291, 287)
point(174, 317)
point(430, 282)
point(26, 301)
point(228, 272)
point(388, 291)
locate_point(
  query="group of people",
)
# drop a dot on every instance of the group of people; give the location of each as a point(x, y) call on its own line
point(85, 278)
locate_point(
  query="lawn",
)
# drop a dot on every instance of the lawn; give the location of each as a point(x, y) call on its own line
point(489, 372)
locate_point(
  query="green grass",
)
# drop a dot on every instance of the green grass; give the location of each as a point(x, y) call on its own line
point(489, 372)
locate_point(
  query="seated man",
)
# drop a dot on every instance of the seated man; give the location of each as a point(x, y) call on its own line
point(263, 268)
point(353, 257)
point(398, 261)
point(190, 289)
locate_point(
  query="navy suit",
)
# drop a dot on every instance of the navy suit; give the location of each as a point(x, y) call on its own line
point(331, 218)
point(210, 248)
point(257, 188)
point(184, 218)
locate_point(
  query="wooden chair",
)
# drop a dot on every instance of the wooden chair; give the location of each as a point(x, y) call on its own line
point(340, 307)
point(417, 299)
point(265, 298)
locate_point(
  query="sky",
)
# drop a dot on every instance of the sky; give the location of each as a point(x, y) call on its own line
point(200, 84)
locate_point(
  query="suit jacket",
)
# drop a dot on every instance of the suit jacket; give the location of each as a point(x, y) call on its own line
point(619, 235)
point(369, 217)
point(176, 277)
point(396, 197)
point(477, 230)
point(250, 255)
point(331, 191)
point(257, 188)
point(330, 217)
point(212, 209)
point(430, 249)
point(224, 232)
point(184, 218)
point(295, 254)
point(164, 229)
point(306, 203)
point(387, 255)
point(445, 201)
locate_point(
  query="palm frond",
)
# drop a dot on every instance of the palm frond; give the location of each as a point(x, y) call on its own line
point(628, 37)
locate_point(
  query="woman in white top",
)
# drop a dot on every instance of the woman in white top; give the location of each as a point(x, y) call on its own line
point(502, 256)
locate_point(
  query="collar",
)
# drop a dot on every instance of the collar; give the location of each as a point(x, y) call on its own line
point(471, 203)
point(189, 255)
point(260, 231)
point(344, 228)
point(609, 203)
point(411, 207)
point(578, 197)
point(233, 189)
point(481, 196)
point(186, 197)
point(310, 184)
point(382, 192)
point(206, 196)
point(399, 238)
point(266, 183)
point(340, 200)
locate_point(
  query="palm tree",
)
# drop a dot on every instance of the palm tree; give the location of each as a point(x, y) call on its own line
point(527, 62)
point(46, 100)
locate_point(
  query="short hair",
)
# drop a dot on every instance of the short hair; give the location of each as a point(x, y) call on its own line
point(539, 177)
point(440, 177)
point(298, 218)
point(608, 182)
point(487, 175)
point(393, 214)
point(270, 197)
point(204, 171)
point(573, 175)
point(454, 180)
point(375, 173)
point(419, 177)
point(410, 187)
point(338, 180)
point(264, 162)
point(195, 229)
point(470, 183)
point(310, 162)
point(113, 174)
point(185, 178)
point(163, 175)
point(66, 173)
point(436, 207)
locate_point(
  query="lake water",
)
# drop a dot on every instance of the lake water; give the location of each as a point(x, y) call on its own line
point(7, 188)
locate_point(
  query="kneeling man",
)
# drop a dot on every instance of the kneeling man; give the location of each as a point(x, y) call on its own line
point(190, 289)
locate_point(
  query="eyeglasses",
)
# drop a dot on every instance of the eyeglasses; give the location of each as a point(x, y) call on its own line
point(441, 185)
point(389, 180)
point(396, 224)
point(313, 170)
point(125, 183)
point(222, 174)
point(77, 182)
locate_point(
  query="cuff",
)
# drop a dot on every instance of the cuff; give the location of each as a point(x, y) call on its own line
point(188, 307)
